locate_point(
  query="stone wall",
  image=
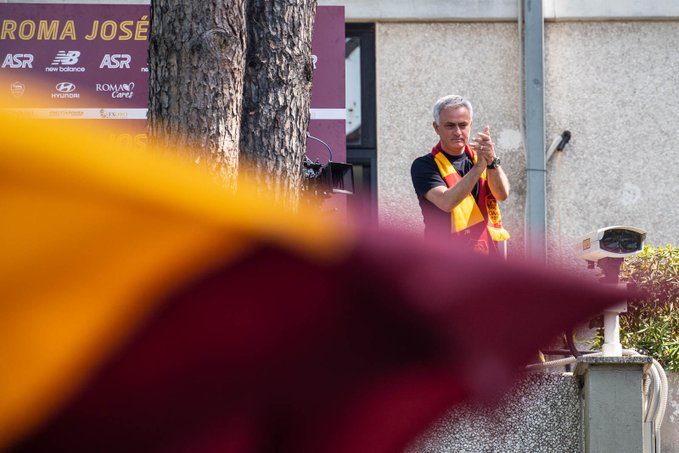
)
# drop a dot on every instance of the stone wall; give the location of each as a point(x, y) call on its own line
point(541, 413)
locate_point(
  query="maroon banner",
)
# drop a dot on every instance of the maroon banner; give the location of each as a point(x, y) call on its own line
point(85, 56)
point(327, 95)
point(328, 118)
point(328, 58)
point(90, 62)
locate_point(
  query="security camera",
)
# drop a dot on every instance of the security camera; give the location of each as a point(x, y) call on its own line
point(611, 242)
point(606, 248)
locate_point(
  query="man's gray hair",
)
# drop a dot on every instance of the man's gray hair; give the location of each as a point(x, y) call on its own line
point(454, 101)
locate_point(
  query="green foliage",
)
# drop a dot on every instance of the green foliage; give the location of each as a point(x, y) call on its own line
point(651, 324)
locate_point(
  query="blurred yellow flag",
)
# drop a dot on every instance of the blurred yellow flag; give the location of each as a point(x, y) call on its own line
point(92, 236)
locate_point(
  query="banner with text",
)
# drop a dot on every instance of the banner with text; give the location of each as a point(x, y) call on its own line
point(88, 62)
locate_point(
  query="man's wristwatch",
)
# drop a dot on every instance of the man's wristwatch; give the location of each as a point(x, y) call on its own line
point(494, 164)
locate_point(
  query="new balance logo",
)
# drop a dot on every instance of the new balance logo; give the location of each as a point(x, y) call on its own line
point(65, 61)
point(65, 58)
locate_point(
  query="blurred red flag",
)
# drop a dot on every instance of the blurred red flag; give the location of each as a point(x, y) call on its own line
point(146, 309)
point(280, 353)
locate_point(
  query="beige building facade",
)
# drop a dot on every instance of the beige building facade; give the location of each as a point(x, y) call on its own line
point(610, 74)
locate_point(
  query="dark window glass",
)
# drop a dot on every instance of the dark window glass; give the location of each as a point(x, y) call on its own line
point(361, 118)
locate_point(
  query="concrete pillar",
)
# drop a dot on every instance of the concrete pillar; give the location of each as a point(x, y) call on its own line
point(611, 398)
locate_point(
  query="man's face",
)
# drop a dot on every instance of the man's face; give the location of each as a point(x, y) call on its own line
point(453, 129)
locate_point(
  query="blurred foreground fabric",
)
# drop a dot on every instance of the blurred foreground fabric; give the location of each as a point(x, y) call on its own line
point(143, 308)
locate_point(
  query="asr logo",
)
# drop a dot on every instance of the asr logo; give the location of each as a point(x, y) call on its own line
point(116, 61)
point(18, 61)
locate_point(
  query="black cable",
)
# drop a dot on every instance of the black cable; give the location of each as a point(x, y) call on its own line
point(571, 344)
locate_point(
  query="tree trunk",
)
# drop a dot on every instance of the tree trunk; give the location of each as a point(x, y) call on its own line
point(277, 95)
point(196, 66)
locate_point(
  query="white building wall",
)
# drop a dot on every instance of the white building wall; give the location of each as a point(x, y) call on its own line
point(494, 10)
point(84, 2)
point(610, 72)
point(614, 85)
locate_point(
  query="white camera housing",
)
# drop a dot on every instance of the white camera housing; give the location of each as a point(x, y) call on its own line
point(611, 242)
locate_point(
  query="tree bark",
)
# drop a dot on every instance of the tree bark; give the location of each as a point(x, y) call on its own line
point(277, 95)
point(196, 71)
point(230, 81)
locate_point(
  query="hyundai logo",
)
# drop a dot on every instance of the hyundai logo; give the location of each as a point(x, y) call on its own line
point(65, 87)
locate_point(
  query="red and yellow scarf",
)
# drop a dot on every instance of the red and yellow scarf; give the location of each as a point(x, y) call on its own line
point(482, 219)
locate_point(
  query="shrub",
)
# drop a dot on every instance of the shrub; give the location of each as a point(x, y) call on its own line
point(651, 324)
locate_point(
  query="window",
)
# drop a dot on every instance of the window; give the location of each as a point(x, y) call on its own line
point(361, 118)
